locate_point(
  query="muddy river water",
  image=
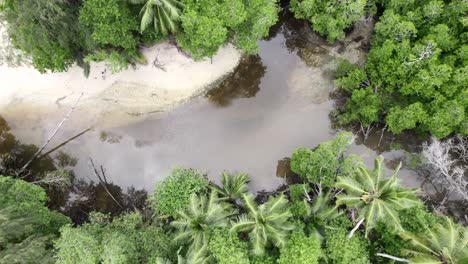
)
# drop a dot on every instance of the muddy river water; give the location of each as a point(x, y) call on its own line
point(272, 104)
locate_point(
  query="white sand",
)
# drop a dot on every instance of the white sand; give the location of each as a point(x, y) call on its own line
point(27, 95)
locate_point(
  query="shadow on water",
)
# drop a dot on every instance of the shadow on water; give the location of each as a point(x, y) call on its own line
point(76, 199)
point(244, 82)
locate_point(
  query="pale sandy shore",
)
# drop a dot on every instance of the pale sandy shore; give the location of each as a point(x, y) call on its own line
point(112, 99)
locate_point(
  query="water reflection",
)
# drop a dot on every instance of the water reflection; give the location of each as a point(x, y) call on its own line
point(77, 199)
point(244, 82)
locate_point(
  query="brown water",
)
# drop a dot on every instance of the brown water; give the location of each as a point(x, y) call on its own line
point(272, 104)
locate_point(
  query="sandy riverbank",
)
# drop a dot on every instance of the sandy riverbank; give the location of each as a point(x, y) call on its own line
point(112, 99)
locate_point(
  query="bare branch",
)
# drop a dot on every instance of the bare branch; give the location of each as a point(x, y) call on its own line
point(355, 228)
point(65, 118)
point(392, 257)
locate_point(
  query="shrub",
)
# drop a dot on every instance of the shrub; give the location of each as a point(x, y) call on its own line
point(226, 247)
point(124, 240)
point(321, 165)
point(340, 249)
point(27, 226)
point(301, 249)
point(173, 193)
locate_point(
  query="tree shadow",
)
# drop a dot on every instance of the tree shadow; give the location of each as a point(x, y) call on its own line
point(244, 82)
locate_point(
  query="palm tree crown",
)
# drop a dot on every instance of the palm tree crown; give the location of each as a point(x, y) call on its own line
point(202, 215)
point(320, 213)
point(234, 186)
point(446, 243)
point(164, 14)
point(376, 198)
point(264, 223)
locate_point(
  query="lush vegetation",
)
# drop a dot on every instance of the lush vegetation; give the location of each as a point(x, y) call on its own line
point(55, 34)
point(332, 18)
point(416, 71)
point(195, 221)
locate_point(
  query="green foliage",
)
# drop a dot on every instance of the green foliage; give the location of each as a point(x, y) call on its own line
point(45, 30)
point(344, 67)
point(173, 193)
point(340, 249)
point(362, 107)
point(322, 215)
point(201, 216)
point(377, 199)
point(260, 16)
point(417, 219)
point(322, 165)
point(415, 71)
point(268, 222)
point(124, 240)
point(27, 226)
point(301, 249)
point(226, 247)
point(207, 24)
point(299, 206)
point(234, 186)
point(163, 14)
point(445, 243)
point(331, 19)
point(110, 23)
point(203, 35)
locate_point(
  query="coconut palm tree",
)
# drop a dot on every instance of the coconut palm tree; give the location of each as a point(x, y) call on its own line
point(445, 243)
point(233, 186)
point(202, 215)
point(320, 212)
point(374, 197)
point(164, 14)
point(265, 223)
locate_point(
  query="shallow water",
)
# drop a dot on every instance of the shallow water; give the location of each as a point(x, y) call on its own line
point(272, 104)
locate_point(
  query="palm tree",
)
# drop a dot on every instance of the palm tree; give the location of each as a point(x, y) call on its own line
point(264, 223)
point(375, 198)
point(164, 14)
point(446, 243)
point(320, 213)
point(234, 186)
point(202, 215)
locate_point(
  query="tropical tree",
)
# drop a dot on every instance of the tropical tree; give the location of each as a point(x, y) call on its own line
point(233, 186)
point(320, 213)
point(201, 216)
point(164, 14)
point(265, 223)
point(374, 197)
point(445, 243)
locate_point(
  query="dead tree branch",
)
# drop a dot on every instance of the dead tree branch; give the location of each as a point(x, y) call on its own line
point(65, 118)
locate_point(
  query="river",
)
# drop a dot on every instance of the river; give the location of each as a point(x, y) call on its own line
point(273, 103)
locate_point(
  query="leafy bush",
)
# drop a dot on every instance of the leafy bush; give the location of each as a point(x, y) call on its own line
point(226, 247)
point(340, 249)
point(27, 226)
point(301, 249)
point(124, 240)
point(415, 75)
point(173, 193)
point(330, 19)
point(208, 24)
point(417, 219)
point(45, 30)
point(322, 165)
